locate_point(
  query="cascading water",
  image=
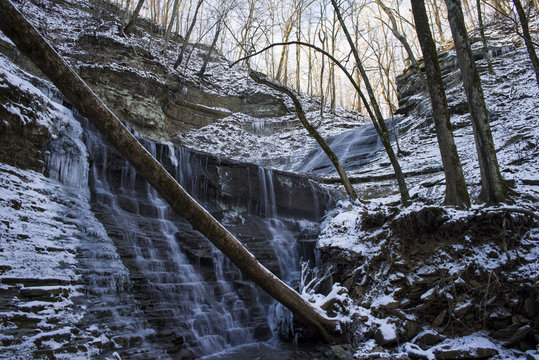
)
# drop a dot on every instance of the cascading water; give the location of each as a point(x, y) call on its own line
point(108, 306)
point(354, 148)
point(193, 297)
point(198, 315)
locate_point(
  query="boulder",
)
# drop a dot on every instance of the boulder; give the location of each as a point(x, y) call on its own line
point(386, 335)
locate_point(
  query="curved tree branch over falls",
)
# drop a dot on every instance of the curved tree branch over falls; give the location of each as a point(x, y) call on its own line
point(375, 116)
point(30, 42)
point(259, 78)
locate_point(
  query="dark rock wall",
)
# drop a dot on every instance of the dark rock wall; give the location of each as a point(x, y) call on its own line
point(152, 97)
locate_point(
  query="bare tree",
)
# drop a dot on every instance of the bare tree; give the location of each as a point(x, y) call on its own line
point(395, 30)
point(484, 38)
point(261, 79)
point(527, 37)
point(247, 28)
point(127, 29)
point(494, 189)
point(436, 13)
point(33, 45)
point(219, 24)
point(378, 119)
point(171, 23)
point(455, 189)
point(187, 35)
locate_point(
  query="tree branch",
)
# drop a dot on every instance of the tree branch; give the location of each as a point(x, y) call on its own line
point(259, 78)
point(328, 55)
point(30, 42)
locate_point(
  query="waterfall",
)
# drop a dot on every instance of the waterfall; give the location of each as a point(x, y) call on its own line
point(108, 307)
point(267, 190)
point(354, 148)
point(191, 295)
point(197, 309)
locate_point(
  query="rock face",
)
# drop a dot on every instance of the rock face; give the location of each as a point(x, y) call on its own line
point(409, 86)
point(454, 276)
point(139, 280)
point(139, 86)
point(23, 138)
point(158, 101)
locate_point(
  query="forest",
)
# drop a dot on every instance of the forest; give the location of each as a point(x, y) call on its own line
point(365, 173)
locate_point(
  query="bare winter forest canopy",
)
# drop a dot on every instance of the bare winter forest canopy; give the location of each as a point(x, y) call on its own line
point(382, 31)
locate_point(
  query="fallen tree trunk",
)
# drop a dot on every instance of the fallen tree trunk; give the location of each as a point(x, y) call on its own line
point(30, 42)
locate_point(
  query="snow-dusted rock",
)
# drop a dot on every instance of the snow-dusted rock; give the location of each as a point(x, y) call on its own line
point(386, 334)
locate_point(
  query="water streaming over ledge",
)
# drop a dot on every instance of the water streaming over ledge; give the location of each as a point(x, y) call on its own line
point(194, 298)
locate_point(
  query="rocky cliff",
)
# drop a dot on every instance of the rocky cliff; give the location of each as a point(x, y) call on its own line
point(92, 262)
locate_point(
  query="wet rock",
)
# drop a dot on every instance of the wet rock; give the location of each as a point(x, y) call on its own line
point(262, 331)
point(341, 352)
point(439, 319)
point(410, 329)
point(446, 352)
point(428, 338)
point(51, 293)
point(519, 335)
point(530, 307)
point(414, 352)
point(507, 332)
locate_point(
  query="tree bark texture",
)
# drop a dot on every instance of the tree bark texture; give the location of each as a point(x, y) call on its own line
point(494, 189)
point(527, 38)
point(312, 131)
point(455, 190)
point(131, 23)
point(32, 44)
point(380, 124)
point(484, 38)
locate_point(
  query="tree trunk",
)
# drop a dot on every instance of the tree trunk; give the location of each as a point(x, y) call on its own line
point(484, 38)
point(187, 36)
point(494, 189)
point(32, 44)
point(171, 23)
point(378, 120)
point(527, 38)
point(298, 54)
point(212, 46)
point(312, 131)
point(246, 30)
point(323, 40)
point(455, 190)
point(395, 30)
point(131, 23)
point(437, 19)
point(126, 14)
point(284, 54)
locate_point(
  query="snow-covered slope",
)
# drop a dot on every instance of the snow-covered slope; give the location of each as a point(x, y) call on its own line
point(433, 282)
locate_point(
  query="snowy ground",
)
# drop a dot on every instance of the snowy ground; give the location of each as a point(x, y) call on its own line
point(33, 206)
point(512, 97)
